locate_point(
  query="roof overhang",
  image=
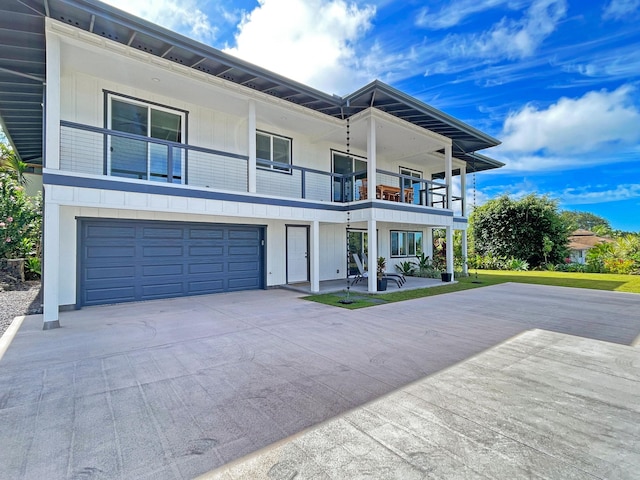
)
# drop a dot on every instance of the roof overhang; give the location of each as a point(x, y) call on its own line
point(23, 69)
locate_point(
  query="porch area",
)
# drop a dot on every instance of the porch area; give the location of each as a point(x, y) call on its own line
point(333, 286)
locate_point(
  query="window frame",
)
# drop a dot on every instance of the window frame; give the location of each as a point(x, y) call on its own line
point(273, 168)
point(110, 96)
point(408, 243)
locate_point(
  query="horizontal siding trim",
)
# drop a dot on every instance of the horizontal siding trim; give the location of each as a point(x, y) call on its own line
point(174, 191)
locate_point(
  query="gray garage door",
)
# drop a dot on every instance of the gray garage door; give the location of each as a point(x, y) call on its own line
point(125, 261)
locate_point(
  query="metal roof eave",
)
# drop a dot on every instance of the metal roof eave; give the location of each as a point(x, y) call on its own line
point(172, 40)
point(109, 22)
point(370, 93)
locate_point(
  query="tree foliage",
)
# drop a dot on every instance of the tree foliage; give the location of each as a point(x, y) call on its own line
point(20, 220)
point(11, 164)
point(587, 221)
point(619, 256)
point(529, 229)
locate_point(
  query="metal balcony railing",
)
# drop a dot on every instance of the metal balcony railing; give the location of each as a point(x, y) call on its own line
point(99, 151)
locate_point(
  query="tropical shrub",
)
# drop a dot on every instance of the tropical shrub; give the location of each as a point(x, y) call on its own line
point(516, 264)
point(34, 265)
point(406, 268)
point(20, 220)
point(619, 256)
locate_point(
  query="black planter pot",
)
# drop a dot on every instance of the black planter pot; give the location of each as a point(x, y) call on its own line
point(446, 277)
point(382, 284)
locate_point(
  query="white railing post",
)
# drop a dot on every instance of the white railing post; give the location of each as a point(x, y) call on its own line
point(449, 241)
point(52, 107)
point(51, 263)
point(463, 189)
point(447, 172)
point(251, 164)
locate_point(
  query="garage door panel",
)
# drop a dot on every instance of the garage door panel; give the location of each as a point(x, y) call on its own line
point(248, 251)
point(242, 266)
point(110, 251)
point(209, 267)
point(208, 251)
point(167, 251)
point(243, 234)
point(242, 284)
point(105, 272)
point(98, 296)
point(162, 290)
point(162, 233)
point(207, 234)
point(100, 231)
point(207, 286)
point(158, 270)
point(127, 260)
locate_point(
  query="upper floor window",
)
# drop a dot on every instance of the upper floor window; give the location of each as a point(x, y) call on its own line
point(145, 159)
point(273, 148)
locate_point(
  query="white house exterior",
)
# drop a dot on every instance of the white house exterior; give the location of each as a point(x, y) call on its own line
point(170, 168)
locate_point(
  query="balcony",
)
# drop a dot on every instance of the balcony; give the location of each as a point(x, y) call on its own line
point(97, 151)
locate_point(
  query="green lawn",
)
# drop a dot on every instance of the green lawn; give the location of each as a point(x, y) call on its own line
point(596, 281)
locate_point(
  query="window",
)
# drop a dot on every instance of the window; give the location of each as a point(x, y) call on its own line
point(358, 244)
point(351, 187)
point(273, 148)
point(144, 159)
point(405, 244)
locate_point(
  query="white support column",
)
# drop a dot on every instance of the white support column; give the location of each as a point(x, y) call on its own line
point(372, 237)
point(52, 107)
point(447, 173)
point(51, 264)
point(465, 254)
point(315, 256)
point(463, 189)
point(251, 131)
point(371, 159)
point(428, 243)
point(449, 240)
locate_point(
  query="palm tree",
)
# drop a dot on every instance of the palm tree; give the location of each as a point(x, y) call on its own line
point(11, 164)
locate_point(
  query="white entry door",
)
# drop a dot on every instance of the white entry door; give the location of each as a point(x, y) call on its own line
point(297, 254)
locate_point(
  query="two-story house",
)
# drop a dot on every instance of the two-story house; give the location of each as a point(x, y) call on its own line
point(171, 168)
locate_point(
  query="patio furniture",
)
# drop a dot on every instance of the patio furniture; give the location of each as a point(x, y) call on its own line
point(365, 274)
point(398, 277)
point(391, 193)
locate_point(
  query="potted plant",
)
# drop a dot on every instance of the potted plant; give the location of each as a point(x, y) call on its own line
point(382, 267)
point(440, 264)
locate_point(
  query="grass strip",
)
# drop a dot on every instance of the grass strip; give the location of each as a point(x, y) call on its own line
point(484, 278)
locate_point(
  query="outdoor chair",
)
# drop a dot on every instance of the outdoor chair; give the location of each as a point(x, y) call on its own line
point(398, 277)
point(365, 274)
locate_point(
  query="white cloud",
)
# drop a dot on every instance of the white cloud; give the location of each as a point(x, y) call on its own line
point(309, 41)
point(599, 120)
point(621, 9)
point(514, 39)
point(456, 12)
point(183, 16)
point(595, 195)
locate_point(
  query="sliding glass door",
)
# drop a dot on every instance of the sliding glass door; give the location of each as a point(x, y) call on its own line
point(357, 246)
point(353, 187)
point(142, 159)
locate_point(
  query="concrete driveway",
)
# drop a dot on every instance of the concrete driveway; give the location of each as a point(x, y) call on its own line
point(175, 388)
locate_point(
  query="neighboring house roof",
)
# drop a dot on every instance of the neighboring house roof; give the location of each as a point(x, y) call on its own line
point(22, 76)
point(584, 240)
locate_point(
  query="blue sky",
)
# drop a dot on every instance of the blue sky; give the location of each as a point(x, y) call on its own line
point(557, 81)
